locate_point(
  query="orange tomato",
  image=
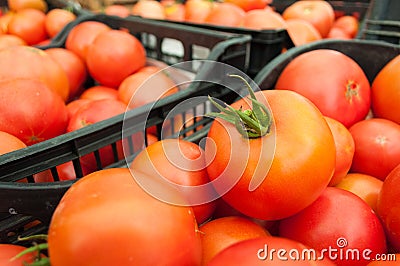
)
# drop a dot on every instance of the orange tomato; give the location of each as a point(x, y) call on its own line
point(99, 92)
point(16, 5)
point(301, 31)
point(225, 14)
point(196, 11)
point(263, 19)
point(117, 10)
point(9, 143)
point(149, 9)
point(56, 19)
point(7, 40)
point(349, 24)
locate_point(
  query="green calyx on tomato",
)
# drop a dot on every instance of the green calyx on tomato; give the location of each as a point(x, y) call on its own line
point(251, 123)
point(36, 248)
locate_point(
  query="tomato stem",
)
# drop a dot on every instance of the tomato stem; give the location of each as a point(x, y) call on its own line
point(251, 123)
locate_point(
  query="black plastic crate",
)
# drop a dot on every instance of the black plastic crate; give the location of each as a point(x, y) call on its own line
point(26, 208)
point(382, 22)
point(372, 56)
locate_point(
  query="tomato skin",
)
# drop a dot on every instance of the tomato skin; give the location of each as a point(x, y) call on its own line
point(263, 19)
point(388, 208)
point(7, 40)
point(117, 10)
point(218, 234)
point(338, 219)
point(340, 91)
point(257, 251)
point(8, 251)
point(138, 225)
point(99, 92)
point(248, 5)
point(377, 147)
point(196, 11)
point(225, 14)
point(110, 68)
point(181, 162)
point(37, 113)
point(9, 143)
point(304, 176)
point(385, 91)
point(149, 9)
point(302, 31)
point(56, 19)
point(348, 23)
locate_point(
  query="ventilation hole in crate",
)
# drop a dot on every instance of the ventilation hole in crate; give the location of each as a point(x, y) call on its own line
point(172, 47)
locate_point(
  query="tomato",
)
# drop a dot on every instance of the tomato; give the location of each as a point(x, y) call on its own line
point(340, 221)
point(145, 87)
point(117, 10)
point(7, 40)
point(301, 31)
point(110, 68)
point(319, 13)
point(338, 33)
point(196, 11)
point(385, 92)
point(174, 11)
point(4, 21)
point(73, 66)
point(32, 63)
point(268, 250)
point(16, 5)
point(37, 113)
point(260, 19)
point(9, 143)
point(99, 92)
point(220, 233)
point(344, 144)
point(56, 19)
point(388, 207)
point(335, 83)
point(74, 105)
point(140, 229)
point(65, 171)
point(82, 35)
point(248, 5)
point(298, 128)
point(348, 23)
point(180, 162)
point(9, 251)
point(149, 9)
point(28, 24)
point(225, 14)
point(365, 186)
point(377, 147)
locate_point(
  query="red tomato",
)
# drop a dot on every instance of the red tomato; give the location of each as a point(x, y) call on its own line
point(340, 221)
point(180, 162)
point(73, 66)
point(117, 10)
point(248, 5)
point(365, 186)
point(174, 11)
point(149, 9)
point(220, 233)
point(268, 250)
point(345, 94)
point(36, 112)
point(9, 143)
point(348, 23)
point(16, 5)
point(99, 92)
point(225, 14)
point(56, 19)
point(134, 222)
point(301, 31)
point(73, 106)
point(344, 144)
point(9, 251)
point(7, 40)
point(4, 21)
point(65, 171)
point(32, 63)
point(338, 33)
point(385, 92)
point(319, 13)
point(263, 19)
point(377, 147)
point(28, 24)
point(300, 178)
point(110, 68)
point(196, 11)
point(388, 207)
point(82, 35)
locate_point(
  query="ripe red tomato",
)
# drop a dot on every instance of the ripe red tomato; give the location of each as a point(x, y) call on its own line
point(36, 112)
point(99, 92)
point(225, 14)
point(28, 62)
point(338, 33)
point(110, 68)
point(260, 19)
point(344, 144)
point(174, 11)
point(149, 9)
point(16, 5)
point(9, 143)
point(301, 31)
point(56, 19)
point(218, 234)
point(319, 13)
point(73, 66)
point(74, 105)
point(334, 82)
point(377, 147)
point(196, 11)
point(28, 24)
point(348, 23)
point(388, 208)
point(338, 220)
point(142, 229)
point(248, 5)
point(180, 162)
point(299, 178)
point(7, 40)
point(9, 251)
point(4, 21)
point(385, 92)
point(117, 10)
point(268, 250)
point(82, 35)
point(365, 186)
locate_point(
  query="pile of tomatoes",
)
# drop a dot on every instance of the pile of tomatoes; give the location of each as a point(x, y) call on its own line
point(305, 21)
